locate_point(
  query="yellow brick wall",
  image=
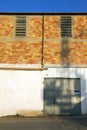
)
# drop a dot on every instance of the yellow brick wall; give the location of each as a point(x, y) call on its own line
point(51, 27)
point(80, 27)
point(29, 50)
point(20, 50)
point(74, 50)
point(35, 27)
point(6, 26)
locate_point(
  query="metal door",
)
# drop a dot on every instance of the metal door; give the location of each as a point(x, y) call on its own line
point(62, 96)
point(75, 93)
point(49, 96)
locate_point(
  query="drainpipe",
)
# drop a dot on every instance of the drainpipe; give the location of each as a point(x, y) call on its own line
point(42, 58)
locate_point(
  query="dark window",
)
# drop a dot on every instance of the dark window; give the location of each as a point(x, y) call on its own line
point(66, 26)
point(20, 26)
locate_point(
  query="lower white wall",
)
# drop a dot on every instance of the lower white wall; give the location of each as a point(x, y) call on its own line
point(72, 73)
point(21, 92)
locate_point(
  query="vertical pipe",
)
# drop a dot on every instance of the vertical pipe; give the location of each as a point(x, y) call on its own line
point(42, 58)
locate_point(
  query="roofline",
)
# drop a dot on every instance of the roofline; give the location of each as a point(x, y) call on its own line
point(43, 13)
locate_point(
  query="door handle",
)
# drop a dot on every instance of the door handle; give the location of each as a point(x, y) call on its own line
point(77, 92)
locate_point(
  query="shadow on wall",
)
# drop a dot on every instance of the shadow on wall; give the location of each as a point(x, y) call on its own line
point(65, 50)
point(62, 96)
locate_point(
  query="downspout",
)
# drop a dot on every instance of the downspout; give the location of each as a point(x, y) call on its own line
point(42, 58)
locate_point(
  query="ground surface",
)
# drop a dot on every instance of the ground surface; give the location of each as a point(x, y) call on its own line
point(47, 123)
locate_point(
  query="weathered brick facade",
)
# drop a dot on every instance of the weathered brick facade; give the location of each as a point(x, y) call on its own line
point(28, 50)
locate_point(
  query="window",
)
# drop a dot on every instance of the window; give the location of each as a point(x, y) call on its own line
point(66, 26)
point(20, 26)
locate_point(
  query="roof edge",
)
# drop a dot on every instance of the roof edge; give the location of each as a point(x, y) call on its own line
point(43, 13)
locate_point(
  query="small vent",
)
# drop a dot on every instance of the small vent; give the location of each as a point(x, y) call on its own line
point(66, 26)
point(20, 26)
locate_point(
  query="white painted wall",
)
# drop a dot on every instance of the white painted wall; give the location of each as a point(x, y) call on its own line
point(72, 73)
point(21, 92)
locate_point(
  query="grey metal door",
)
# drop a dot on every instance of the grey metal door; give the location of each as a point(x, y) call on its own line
point(49, 96)
point(62, 96)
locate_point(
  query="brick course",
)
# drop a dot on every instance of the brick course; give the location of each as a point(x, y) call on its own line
point(20, 52)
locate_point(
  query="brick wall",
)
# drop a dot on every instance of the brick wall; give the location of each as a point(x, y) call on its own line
point(72, 51)
point(20, 50)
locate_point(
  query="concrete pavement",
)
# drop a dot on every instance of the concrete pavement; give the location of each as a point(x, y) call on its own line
point(47, 123)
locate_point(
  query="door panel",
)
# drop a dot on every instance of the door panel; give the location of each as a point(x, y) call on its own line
point(49, 98)
point(62, 96)
point(49, 107)
point(75, 97)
